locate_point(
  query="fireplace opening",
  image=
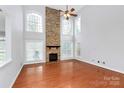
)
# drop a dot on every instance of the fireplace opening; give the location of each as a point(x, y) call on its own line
point(53, 57)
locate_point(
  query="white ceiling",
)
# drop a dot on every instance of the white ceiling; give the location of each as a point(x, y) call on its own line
point(63, 7)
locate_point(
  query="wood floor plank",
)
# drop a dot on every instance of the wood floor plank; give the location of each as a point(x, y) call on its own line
point(68, 74)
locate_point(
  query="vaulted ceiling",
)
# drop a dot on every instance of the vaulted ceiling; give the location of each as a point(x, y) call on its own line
point(63, 7)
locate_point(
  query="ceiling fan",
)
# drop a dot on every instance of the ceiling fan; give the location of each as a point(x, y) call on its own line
point(67, 13)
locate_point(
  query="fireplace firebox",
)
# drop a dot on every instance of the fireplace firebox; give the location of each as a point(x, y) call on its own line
point(53, 57)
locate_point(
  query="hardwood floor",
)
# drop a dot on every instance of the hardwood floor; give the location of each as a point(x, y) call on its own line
point(68, 74)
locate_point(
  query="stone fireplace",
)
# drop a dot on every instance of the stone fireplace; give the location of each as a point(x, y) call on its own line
point(52, 35)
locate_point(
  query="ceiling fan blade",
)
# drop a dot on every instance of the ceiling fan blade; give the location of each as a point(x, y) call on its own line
point(72, 9)
point(73, 15)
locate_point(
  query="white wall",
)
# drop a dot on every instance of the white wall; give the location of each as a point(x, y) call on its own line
point(102, 36)
point(14, 29)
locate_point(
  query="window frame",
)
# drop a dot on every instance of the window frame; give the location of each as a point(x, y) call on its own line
point(8, 57)
point(75, 25)
point(67, 38)
point(31, 41)
point(34, 36)
point(77, 35)
point(26, 22)
point(3, 51)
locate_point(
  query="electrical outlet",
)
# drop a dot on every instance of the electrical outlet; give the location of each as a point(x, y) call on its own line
point(103, 62)
point(98, 61)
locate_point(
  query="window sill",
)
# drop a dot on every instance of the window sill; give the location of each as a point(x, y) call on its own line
point(5, 63)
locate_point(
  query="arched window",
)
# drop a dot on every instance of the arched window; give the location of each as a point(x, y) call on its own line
point(34, 23)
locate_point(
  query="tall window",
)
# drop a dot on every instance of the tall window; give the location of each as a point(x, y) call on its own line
point(34, 22)
point(2, 39)
point(67, 39)
point(34, 44)
point(77, 36)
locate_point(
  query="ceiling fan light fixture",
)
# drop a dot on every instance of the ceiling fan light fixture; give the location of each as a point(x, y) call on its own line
point(68, 13)
point(65, 15)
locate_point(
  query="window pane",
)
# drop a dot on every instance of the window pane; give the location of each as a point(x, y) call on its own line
point(67, 49)
point(67, 39)
point(2, 39)
point(77, 35)
point(77, 25)
point(34, 23)
point(2, 49)
point(67, 27)
point(34, 50)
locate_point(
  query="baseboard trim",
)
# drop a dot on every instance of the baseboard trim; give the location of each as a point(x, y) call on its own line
point(101, 66)
point(11, 85)
point(33, 63)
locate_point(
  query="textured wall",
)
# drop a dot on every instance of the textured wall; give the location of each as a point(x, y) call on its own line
point(52, 31)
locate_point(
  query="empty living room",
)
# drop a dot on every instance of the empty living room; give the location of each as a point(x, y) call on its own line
point(61, 46)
